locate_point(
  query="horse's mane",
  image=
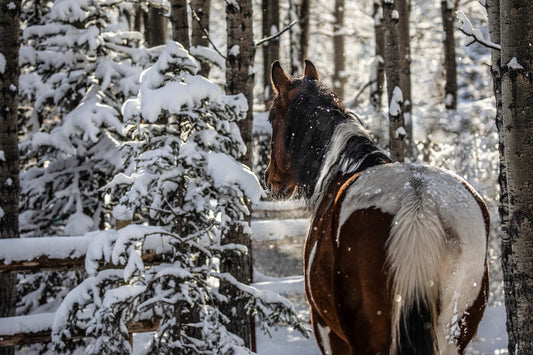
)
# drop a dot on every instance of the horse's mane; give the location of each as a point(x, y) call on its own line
point(315, 118)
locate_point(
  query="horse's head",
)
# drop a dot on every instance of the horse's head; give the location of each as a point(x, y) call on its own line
point(280, 176)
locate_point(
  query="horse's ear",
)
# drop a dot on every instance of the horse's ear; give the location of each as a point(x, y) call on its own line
point(280, 80)
point(310, 71)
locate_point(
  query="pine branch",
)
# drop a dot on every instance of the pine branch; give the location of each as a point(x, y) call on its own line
point(474, 33)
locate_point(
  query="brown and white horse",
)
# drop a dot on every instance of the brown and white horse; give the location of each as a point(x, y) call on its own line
point(395, 257)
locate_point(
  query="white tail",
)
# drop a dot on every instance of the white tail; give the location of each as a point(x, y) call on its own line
point(414, 253)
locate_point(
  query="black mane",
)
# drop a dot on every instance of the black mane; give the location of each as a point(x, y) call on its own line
point(312, 119)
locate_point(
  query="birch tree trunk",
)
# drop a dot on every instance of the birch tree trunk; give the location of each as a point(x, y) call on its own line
point(450, 65)
point(404, 12)
point(9, 153)
point(199, 28)
point(240, 79)
point(397, 131)
point(378, 67)
point(180, 22)
point(516, 59)
point(271, 49)
point(338, 49)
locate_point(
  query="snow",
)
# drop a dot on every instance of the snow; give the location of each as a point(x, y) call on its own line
point(278, 229)
point(513, 64)
point(2, 156)
point(11, 6)
point(208, 54)
point(226, 172)
point(2, 63)
point(396, 102)
point(13, 250)
point(234, 51)
point(2, 213)
point(26, 324)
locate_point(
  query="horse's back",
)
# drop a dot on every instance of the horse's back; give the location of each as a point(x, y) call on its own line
point(407, 232)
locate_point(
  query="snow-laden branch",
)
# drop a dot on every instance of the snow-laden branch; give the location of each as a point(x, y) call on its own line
point(474, 33)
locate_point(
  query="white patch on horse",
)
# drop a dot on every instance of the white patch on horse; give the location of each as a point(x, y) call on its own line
point(341, 135)
point(437, 244)
point(308, 272)
point(323, 333)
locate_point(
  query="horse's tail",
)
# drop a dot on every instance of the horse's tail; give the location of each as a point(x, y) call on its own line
point(415, 250)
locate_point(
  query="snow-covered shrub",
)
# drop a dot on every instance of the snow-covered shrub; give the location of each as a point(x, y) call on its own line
point(180, 174)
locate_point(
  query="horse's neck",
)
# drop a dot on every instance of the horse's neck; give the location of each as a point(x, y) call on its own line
point(351, 151)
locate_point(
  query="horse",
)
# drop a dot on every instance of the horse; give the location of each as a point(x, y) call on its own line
point(395, 257)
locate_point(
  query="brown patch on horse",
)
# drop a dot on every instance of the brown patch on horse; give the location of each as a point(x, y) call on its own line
point(367, 312)
point(335, 274)
point(473, 314)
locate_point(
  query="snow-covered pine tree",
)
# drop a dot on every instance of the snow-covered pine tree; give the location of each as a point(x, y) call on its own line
point(79, 65)
point(180, 174)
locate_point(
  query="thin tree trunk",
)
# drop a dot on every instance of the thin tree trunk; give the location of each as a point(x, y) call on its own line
point(294, 38)
point(450, 88)
point(199, 29)
point(516, 36)
point(271, 49)
point(338, 49)
point(9, 154)
point(240, 79)
point(305, 12)
point(397, 131)
point(180, 22)
point(404, 11)
point(155, 27)
point(378, 67)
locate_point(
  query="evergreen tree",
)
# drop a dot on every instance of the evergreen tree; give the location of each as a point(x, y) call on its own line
point(180, 174)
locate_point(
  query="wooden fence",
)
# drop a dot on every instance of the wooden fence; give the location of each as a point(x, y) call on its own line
point(68, 253)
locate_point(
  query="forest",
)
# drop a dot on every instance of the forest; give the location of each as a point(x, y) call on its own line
point(135, 135)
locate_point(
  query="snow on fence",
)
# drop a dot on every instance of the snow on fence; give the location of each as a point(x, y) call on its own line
point(68, 253)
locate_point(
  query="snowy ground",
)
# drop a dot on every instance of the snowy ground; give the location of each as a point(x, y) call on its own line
point(491, 337)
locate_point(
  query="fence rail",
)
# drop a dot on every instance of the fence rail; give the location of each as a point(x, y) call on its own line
point(68, 253)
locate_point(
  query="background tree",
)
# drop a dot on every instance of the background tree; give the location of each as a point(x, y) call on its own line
point(240, 79)
point(339, 76)
point(271, 48)
point(397, 131)
point(516, 130)
point(201, 10)
point(450, 88)
point(180, 22)
point(9, 153)
point(404, 13)
point(305, 13)
point(155, 24)
point(377, 74)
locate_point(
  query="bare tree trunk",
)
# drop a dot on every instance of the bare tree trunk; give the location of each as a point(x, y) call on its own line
point(294, 38)
point(180, 22)
point(338, 49)
point(240, 79)
point(155, 27)
point(271, 49)
point(397, 131)
point(516, 59)
point(378, 67)
point(450, 88)
point(404, 11)
point(200, 26)
point(305, 12)
point(9, 154)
